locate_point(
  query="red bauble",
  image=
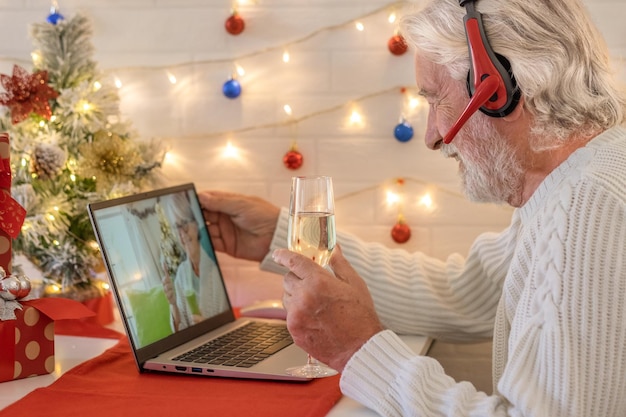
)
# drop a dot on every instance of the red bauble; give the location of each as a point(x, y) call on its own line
point(293, 159)
point(234, 24)
point(401, 232)
point(397, 45)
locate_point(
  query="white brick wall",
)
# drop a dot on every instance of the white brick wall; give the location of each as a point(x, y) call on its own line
point(136, 41)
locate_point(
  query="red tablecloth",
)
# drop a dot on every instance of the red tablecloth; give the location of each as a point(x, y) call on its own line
point(85, 328)
point(109, 385)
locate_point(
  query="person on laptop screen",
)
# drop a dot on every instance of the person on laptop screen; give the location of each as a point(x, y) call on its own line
point(195, 292)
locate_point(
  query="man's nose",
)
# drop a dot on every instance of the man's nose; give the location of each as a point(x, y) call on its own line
point(432, 138)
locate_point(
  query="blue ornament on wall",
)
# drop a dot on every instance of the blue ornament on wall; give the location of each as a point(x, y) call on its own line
point(403, 131)
point(231, 88)
point(54, 17)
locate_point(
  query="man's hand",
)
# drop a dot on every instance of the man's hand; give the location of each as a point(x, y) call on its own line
point(329, 316)
point(240, 225)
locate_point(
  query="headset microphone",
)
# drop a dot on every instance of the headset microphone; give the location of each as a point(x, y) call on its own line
point(490, 82)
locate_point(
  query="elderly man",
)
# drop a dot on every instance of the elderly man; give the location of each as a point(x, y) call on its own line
point(548, 140)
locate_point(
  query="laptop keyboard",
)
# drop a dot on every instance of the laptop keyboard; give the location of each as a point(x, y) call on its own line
point(243, 347)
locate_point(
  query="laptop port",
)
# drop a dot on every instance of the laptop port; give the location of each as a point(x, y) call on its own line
point(181, 368)
point(197, 370)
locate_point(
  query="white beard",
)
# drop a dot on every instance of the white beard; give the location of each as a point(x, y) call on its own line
point(489, 168)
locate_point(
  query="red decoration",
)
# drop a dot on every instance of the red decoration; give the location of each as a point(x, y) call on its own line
point(32, 324)
point(27, 93)
point(293, 159)
point(12, 215)
point(401, 232)
point(397, 45)
point(234, 24)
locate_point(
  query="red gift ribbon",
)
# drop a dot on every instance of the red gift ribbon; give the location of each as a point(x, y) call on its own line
point(12, 215)
point(54, 308)
point(5, 174)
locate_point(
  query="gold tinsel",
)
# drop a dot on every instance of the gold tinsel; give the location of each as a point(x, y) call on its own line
point(109, 158)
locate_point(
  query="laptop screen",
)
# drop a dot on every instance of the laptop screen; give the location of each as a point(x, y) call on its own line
point(161, 263)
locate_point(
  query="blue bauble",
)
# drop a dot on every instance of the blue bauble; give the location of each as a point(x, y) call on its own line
point(403, 132)
point(231, 88)
point(54, 18)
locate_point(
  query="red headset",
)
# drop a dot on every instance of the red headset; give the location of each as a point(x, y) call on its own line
point(490, 82)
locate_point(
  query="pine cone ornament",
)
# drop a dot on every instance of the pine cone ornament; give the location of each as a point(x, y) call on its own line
point(47, 160)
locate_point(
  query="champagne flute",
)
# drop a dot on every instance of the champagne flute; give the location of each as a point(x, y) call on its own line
point(312, 233)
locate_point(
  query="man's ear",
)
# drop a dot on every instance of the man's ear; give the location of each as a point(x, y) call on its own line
point(517, 111)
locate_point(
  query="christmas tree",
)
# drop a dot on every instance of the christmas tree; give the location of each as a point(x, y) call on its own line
point(69, 147)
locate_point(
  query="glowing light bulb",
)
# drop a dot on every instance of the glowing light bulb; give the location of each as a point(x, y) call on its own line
point(83, 106)
point(287, 109)
point(426, 201)
point(118, 83)
point(168, 157)
point(359, 26)
point(239, 69)
point(53, 118)
point(286, 57)
point(171, 77)
point(36, 57)
point(42, 123)
point(97, 86)
point(414, 102)
point(23, 162)
point(73, 177)
point(392, 17)
point(230, 151)
point(392, 198)
point(356, 118)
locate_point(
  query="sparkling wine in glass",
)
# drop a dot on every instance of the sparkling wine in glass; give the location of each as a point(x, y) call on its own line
point(312, 233)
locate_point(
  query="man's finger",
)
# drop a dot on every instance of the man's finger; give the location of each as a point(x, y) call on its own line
point(299, 264)
point(340, 265)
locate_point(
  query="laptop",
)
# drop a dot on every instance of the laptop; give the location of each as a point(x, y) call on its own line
point(171, 293)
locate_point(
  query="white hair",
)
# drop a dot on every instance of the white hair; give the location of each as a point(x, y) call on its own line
point(558, 57)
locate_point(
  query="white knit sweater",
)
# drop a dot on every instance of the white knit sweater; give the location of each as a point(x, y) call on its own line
point(550, 289)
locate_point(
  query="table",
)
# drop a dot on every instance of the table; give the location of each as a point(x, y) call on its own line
point(73, 350)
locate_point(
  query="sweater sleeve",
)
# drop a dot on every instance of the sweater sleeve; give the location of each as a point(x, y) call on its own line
point(455, 299)
point(386, 376)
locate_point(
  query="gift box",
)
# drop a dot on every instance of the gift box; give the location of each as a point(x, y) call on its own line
point(27, 339)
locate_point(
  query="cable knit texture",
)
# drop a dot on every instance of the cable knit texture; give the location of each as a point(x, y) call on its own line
point(550, 290)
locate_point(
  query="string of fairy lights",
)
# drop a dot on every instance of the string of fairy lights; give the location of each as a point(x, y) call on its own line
point(234, 85)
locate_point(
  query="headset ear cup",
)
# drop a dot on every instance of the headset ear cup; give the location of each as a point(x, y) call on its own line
point(512, 90)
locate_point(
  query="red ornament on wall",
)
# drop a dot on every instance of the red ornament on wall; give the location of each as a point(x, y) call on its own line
point(397, 45)
point(401, 232)
point(234, 24)
point(293, 159)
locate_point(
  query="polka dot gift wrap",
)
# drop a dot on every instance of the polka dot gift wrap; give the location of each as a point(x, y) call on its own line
point(27, 342)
